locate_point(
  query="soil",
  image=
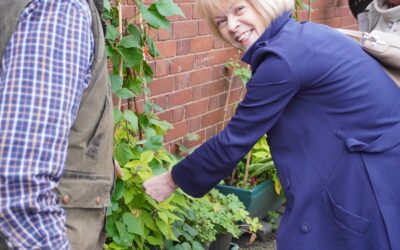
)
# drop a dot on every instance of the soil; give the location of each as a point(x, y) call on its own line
point(258, 244)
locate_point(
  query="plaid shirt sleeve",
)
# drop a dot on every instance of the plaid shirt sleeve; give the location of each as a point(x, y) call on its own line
point(46, 68)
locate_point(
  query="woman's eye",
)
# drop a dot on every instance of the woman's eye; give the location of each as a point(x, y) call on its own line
point(219, 22)
point(239, 9)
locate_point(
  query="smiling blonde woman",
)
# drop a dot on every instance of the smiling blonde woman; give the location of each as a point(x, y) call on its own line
point(333, 121)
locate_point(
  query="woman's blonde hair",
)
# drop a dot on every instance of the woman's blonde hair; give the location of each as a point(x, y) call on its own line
point(268, 9)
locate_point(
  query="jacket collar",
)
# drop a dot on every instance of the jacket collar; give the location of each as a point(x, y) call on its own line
point(269, 33)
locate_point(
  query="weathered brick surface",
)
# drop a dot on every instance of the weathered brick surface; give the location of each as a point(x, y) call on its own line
point(189, 78)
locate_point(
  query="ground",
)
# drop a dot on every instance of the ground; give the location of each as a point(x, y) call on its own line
point(268, 243)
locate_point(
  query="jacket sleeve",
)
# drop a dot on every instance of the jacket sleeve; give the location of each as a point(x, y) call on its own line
point(268, 92)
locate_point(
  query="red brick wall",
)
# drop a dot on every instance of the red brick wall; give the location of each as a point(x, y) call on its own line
point(189, 82)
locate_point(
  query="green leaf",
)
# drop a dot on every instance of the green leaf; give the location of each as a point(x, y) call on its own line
point(197, 246)
point(110, 227)
point(131, 117)
point(152, 47)
point(111, 33)
point(149, 132)
point(134, 85)
point(146, 157)
point(125, 237)
point(190, 230)
point(153, 18)
point(122, 153)
point(115, 61)
point(186, 246)
point(169, 8)
point(154, 143)
point(144, 122)
point(124, 93)
point(130, 41)
point(128, 196)
point(148, 221)
point(106, 5)
point(155, 241)
point(117, 115)
point(116, 82)
point(148, 71)
point(133, 224)
point(133, 30)
point(163, 216)
point(126, 174)
point(163, 227)
point(119, 190)
point(112, 208)
point(131, 56)
point(164, 125)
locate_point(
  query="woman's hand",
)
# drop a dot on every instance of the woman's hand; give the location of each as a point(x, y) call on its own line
point(160, 187)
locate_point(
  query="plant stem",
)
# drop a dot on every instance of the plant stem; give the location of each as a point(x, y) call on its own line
point(246, 172)
point(121, 63)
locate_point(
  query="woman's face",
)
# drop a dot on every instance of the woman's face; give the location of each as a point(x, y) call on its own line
point(240, 24)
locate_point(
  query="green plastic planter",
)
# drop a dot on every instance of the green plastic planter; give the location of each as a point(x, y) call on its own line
point(258, 200)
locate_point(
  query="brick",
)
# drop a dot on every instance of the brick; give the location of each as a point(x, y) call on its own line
point(161, 101)
point(128, 11)
point(163, 35)
point(213, 103)
point(234, 53)
point(217, 57)
point(217, 43)
point(196, 108)
point(162, 85)
point(199, 76)
point(167, 48)
point(179, 98)
point(162, 68)
point(234, 96)
point(180, 129)
point(187, 10)
point(200, 44)
point(181, 81)
point(184, 29)
point(200, 61)
point(197, 92)
point(181, 64)
point(166, 116)
point(139, 106)
point(183, 47)
point(204, 29)
point(217, 72)
point(210, 132)
point(215, 88)
point(194, 124)
point(178, 114)
point(211, 118)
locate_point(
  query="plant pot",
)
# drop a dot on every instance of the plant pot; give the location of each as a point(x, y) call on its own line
point(222, 242)
point(257, 200)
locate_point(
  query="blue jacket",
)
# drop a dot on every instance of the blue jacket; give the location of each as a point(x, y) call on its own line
point(333, 120)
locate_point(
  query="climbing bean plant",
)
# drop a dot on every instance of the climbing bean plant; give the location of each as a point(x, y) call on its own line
point(134, 220)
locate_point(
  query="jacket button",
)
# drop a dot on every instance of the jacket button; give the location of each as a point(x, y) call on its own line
point(66, 199)
point(98, 200)
point(305, 227)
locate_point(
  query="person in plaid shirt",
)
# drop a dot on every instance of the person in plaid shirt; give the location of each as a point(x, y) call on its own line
point(46, 73)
